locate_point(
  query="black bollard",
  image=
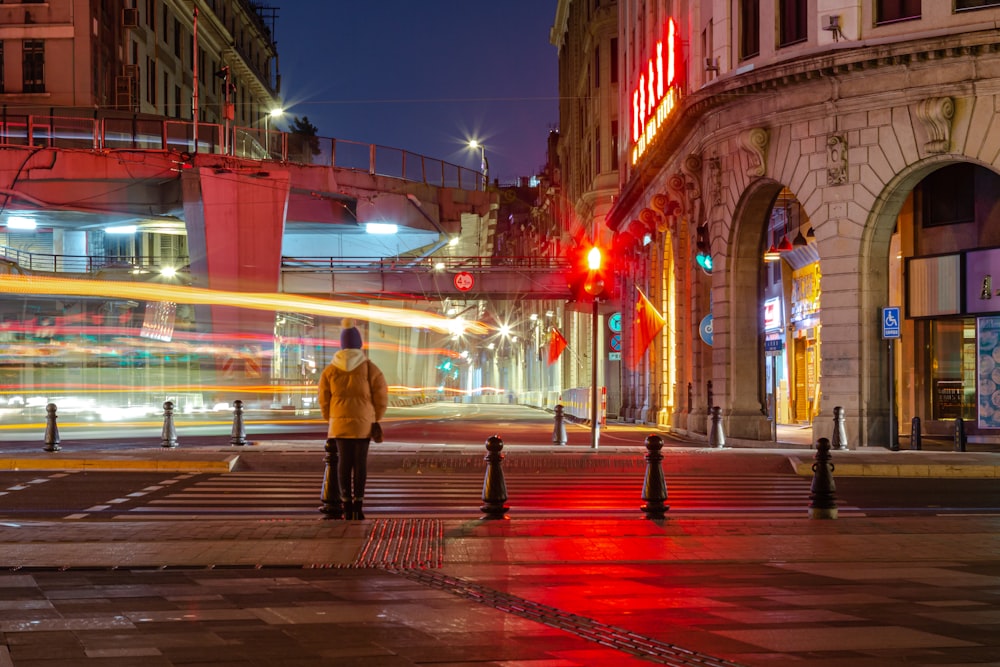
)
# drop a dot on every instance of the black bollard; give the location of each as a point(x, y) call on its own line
point(494, 486)
point(654, 486)
point(716, 438)
point(51, 429)
point(239, 435)
point(168, 436)
point(329, 495)
point(839, 429)
point(960, 439)
point(559, 428)
point(823, 490)
point(916, 439)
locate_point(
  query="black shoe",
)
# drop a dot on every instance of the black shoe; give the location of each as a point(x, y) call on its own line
point(356, 509)
point(349, 510)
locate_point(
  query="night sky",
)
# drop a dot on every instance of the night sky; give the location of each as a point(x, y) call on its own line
point(425, 76)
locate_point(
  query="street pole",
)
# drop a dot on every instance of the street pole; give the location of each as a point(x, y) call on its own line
point(595, 423)
point(194, 94)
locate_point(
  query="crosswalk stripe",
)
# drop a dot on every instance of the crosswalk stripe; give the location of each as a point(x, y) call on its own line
point(459, 493)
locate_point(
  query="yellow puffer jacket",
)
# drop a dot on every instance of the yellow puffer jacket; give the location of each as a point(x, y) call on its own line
point(353, 395)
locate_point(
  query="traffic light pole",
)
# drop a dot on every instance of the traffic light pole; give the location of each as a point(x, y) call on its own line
point(595, 422)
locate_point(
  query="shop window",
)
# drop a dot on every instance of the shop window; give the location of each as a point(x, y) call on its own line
point(792, 26)
point(749, 28)
point(953, 369)
point(888, 11)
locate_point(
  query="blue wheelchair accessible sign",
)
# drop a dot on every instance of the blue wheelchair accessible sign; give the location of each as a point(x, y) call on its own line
point(890, 322)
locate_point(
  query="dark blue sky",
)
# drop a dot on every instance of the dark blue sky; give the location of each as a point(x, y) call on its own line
point(425, 76)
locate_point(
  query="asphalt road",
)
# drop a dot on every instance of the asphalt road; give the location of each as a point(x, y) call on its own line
point(88, 495)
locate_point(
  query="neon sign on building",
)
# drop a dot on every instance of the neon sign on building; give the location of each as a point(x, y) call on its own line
point(656, 93)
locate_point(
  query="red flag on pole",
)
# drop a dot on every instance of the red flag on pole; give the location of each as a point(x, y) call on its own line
point(556, 345)
point(645, 326)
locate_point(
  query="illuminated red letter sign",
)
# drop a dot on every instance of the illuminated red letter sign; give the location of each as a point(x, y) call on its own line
point(656, 92)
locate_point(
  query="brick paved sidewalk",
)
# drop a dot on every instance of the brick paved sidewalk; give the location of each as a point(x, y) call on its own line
point(859, 591)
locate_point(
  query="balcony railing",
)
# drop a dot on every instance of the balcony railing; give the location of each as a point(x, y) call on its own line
point(121, 132)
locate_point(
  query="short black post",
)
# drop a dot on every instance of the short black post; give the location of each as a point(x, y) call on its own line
point(960, 439)
point(494, 486)
point(716, 438)
point(51, 429)
point(823, 490)
point(333, 506)
point(168, 436)
point(916, 439)
point(239, 434)
point(559, 427)
point(654, 486)
point(839, 429)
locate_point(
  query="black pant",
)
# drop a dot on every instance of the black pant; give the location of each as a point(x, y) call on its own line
point(352, 468)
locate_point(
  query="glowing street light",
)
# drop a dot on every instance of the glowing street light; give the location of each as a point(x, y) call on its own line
point(484, 163)
point(275, 114)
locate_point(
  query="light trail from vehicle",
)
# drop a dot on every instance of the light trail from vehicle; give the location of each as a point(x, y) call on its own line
point(277, 302)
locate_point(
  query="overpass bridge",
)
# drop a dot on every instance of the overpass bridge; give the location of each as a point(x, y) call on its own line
point(69, 176)
point(260, 210)
point(528, 278)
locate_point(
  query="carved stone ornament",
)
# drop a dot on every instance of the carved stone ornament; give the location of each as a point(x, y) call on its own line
point(691, 166)
point(936, 113)
point(715, 180)
point(836, 160)
point(755, 142)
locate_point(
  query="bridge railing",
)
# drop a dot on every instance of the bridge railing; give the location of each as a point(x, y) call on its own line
point(406, 264)
point(52, 263)
point(129, 131)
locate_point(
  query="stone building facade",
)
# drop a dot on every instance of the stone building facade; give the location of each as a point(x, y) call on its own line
point(866, 131)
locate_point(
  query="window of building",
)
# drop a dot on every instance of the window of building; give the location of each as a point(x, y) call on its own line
point(150, 80)
point(614, 145)
point(597, 152)
point(1, 67)
point(166, 95)
point(947, 196)
point(34, 66)
point(975, 4)
point(177, 101)
point(749, 28)
point(792, 25)
point(597, 66)
point(151, 15)
point(614, 60)
point(177, 38)
point(888, 11)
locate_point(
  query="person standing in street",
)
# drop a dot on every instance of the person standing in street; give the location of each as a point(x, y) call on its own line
point(353, 396)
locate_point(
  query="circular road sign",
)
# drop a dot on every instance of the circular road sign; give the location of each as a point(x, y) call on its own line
point(615, 322)
point(616, 342)
point(464, 281)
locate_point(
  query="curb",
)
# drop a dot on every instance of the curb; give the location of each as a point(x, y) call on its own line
point(803, 468)
point(120, 464)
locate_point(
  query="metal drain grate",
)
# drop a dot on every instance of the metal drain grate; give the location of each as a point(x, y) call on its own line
point(595, 631)
point(403, 544)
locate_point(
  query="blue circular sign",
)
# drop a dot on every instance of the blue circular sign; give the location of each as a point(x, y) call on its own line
point(616, 342)
point(705, 329)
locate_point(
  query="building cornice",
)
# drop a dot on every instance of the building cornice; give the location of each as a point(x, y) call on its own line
point(844, 61)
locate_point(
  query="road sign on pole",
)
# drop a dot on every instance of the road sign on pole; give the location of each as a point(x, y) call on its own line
point(890, 322)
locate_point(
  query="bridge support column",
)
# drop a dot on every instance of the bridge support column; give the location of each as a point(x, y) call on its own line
point(235, 223)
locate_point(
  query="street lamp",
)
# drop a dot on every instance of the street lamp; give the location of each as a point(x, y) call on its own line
point(484, 163)
point(275, 114)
